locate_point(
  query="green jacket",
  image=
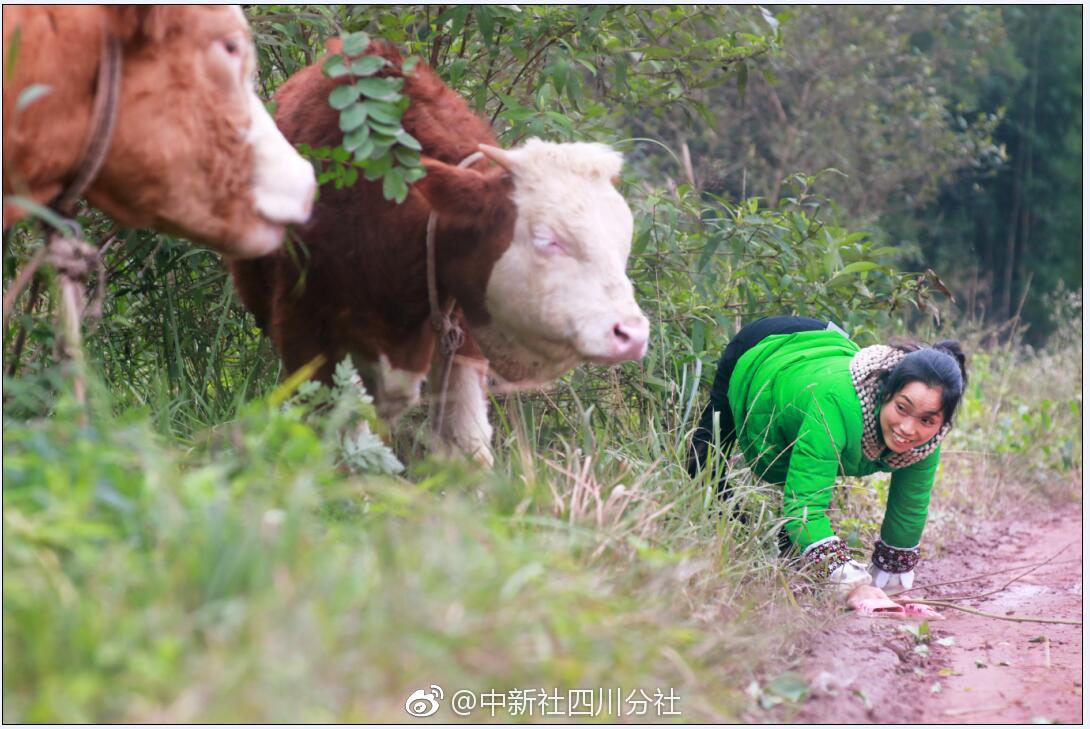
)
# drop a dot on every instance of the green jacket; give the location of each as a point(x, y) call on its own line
point(800, 424)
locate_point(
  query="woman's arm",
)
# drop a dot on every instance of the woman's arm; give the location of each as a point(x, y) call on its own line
point(909, 498)
point(898, 550)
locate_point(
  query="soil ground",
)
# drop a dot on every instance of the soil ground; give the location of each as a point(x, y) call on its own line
point(974, 670)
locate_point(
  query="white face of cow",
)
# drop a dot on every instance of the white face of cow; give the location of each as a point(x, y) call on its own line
point(283, 182)
point(559, 294)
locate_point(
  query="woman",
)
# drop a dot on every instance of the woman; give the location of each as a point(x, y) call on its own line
point(807, 405)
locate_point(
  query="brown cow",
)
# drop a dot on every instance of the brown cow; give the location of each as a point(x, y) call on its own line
point(533, 250)
point(194, 152)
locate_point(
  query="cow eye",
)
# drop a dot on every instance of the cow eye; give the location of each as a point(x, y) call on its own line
point(232, 44)
point(549, 245)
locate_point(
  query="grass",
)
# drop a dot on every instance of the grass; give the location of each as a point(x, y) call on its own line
point(222, 567)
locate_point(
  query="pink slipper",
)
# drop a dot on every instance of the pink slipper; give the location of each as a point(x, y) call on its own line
point(919, 610)
point(870, 600)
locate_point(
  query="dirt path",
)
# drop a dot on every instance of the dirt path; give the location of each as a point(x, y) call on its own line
point(971, 669)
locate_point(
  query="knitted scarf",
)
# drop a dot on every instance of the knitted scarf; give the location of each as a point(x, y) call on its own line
point(868, 368)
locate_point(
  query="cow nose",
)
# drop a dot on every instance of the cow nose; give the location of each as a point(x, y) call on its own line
point(629, 338)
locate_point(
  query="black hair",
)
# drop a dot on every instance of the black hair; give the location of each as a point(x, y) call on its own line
point(941, 365)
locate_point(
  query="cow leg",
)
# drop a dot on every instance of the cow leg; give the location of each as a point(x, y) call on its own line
point(395, 390)
point(464, 429)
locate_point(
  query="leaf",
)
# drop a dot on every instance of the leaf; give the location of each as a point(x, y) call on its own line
point(13, 53)
point(743, 79)
point(790, 686)
point(343, 96)
point(355, 43)
point(485, 21)
point(945, 641)
point(409, 64)
point(353, 117)
point(393, 184)
point(335, 67)
point(382, 141)
point(407, 157)
point(388, 129)
point(31, 94)
point(367, 65)
point(383, 89)
point(383, 111)
point(936, 687)
point(355, 139)
point(1038, 639)
point(365, 149)
point(408, 140)
point(858, 267)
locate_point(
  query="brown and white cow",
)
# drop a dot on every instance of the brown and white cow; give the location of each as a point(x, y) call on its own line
point(194, 152)
point(531, 243)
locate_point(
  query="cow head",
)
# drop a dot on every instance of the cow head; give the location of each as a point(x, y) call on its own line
point(211, 163)
point(194, 152)
point(554, 291)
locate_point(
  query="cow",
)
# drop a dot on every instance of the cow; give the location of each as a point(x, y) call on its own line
point(530, 244)
point(193, 153)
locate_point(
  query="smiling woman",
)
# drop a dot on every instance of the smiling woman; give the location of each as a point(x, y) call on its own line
point(807, 405)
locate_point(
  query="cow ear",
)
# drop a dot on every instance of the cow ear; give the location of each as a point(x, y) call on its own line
point(139, 24)
point(463, 195)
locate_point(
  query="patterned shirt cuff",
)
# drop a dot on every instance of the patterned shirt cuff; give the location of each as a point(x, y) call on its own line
point(895, 559)
point(827, 555)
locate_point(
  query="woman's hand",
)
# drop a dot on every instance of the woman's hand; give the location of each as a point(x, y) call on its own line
point(850, 575)
point(892, 580)
point(894, 567)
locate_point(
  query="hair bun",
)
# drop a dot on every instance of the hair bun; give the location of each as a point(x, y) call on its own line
point(953, 348)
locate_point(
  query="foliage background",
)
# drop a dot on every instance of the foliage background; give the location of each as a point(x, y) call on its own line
point(203, 545)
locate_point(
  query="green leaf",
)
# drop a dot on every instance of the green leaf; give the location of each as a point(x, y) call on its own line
point(407, 157)
point(393, 184)
point(367, 65)
point(388, 129)
point(355, 43)
point(412, 174)
point(382, 141)
point(485, 21)
point(409, 64)
point(366, 148)
point(376, 168)
point(353, 117)
point(13, 53)
point(383, 89)
point(343, 96)
point(384, 112)
point(790, 686)
point(335, 67)
point(355, 139)
point(858, 267)
point(408, 140)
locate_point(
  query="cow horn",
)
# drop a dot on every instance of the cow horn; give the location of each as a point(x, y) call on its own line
point(498, 156)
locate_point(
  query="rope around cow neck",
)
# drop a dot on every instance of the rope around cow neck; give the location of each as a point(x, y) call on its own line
point(450, 333)
point(74, 259)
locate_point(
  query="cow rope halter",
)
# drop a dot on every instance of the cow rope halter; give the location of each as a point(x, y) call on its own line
point(450, 333)
point(71, 257)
